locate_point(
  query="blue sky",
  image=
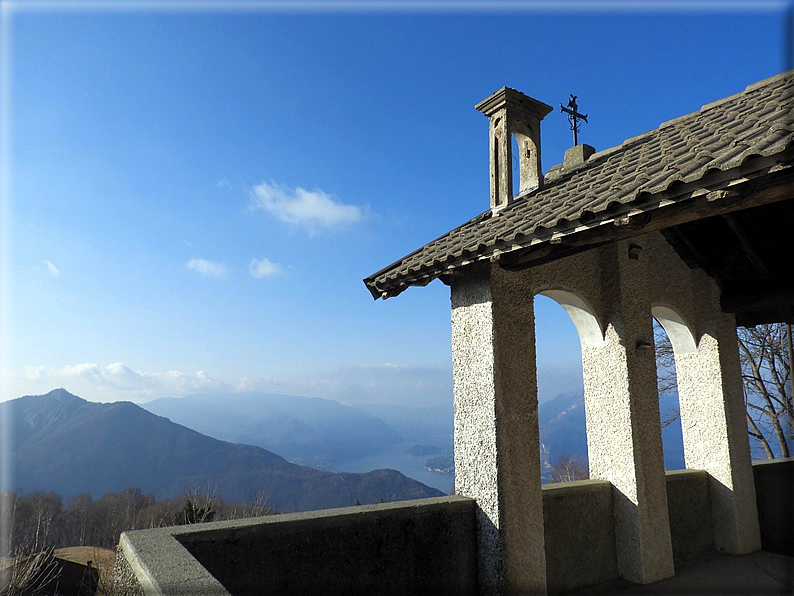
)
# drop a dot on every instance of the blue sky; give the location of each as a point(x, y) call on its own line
point(196, 195)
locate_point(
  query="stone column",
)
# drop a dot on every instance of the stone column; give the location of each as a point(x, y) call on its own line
point(501, 161)
point(624, 438)
point(497, 457)
point(714, 425)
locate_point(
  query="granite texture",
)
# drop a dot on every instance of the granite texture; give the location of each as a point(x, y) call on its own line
point(331, 547)
point(496, 427)
point(426, 546)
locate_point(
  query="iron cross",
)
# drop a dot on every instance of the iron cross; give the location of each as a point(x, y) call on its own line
point(574, 117)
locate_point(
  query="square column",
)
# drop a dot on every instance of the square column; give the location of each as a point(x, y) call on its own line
point(624, 438)
point(497, 449)
point(715, 427)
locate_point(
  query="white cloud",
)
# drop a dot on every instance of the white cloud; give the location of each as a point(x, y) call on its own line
point(112, 382)
point(207, 268)
point(387, 383)
point(52, 269)
point(313, 210)
point(264, 267)
point(223, 183)
point(33, 373)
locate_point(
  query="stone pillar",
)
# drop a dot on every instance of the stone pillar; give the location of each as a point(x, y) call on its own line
point(714, 425)
point(624, 438)
point(497, 451)
point(501, 160)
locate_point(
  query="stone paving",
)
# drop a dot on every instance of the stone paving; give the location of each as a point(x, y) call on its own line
point(756, 574)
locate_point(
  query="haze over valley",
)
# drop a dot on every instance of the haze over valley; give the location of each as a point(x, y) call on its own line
point(307, 453)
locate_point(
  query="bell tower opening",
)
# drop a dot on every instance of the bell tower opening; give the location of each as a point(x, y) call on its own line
point(514, 132)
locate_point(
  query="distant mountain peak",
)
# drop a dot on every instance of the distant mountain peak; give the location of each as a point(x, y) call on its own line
point(65, 444)
point(61, 394)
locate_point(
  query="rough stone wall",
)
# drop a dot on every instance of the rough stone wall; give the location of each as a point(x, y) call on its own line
point(621, 402)
point(774, 483)
point(328, 549)
point(496, 427)
point(710, 393)
point(580, 535)
point(689, 507)
point(414, 547)
point(616, 288)
point(124, 582)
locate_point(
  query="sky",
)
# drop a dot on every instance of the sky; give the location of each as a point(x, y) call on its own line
point(192, 193)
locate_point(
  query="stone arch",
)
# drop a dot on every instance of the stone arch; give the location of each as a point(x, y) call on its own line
point(582, 314)
point(677, 329)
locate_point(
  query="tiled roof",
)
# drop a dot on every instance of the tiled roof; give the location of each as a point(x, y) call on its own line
point(721, 136)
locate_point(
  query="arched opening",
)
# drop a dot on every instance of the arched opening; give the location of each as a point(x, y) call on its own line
point(564, 322)
point(671, 337)
point(581, 313)
point(525, 158)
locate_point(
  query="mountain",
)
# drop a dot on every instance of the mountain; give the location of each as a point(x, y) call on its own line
point(430, 425)
point(65, 444)
point(562, 428)
point(563, 431)
point(318, 432)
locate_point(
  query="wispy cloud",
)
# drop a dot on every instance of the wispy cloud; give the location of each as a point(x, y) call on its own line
point(223, 184)
point(313, 210)
point(207, 268)
point(115, 381)
point(52, 269)
point(386, 383)
point(264, 267)
point(396, 384)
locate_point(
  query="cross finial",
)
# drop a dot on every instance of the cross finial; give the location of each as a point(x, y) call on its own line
point(574, 117)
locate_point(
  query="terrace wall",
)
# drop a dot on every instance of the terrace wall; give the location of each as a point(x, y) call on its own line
point(422, 546)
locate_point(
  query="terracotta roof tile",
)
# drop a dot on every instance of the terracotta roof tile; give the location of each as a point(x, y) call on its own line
point(720, 136)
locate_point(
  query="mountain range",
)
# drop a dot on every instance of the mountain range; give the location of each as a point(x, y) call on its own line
point(66, 444)
point(563, 431)
point(324, 433)
point(320, 433)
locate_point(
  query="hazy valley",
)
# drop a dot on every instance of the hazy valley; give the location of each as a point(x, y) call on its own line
point(65, 444)
point(307, 453)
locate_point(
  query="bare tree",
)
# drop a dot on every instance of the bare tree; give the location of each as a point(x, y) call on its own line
point(568, 469)
point(766, 374)
point(198, 507)
point(666, 380)
point(34, 520)
point(257, 507)
point(765, 355)
point(78, 508)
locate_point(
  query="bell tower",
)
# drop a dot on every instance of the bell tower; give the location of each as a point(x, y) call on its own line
point(513, 114)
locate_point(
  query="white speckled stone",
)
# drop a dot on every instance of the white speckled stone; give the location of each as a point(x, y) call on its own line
point(607, 289)
point(496, 428)
point(611, 298)
point(710, 397)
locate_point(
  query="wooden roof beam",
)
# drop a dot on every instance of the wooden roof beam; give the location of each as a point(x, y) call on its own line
point(744, 240)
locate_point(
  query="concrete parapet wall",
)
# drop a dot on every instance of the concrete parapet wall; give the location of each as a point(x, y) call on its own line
point(580, 531)
point(689, 510)
point(124, 581)
point(580, 534)
point(423, 546)
point(774, 487)
point(426, 546)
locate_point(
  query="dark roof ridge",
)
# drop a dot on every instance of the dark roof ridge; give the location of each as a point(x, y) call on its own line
point(631, 141)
